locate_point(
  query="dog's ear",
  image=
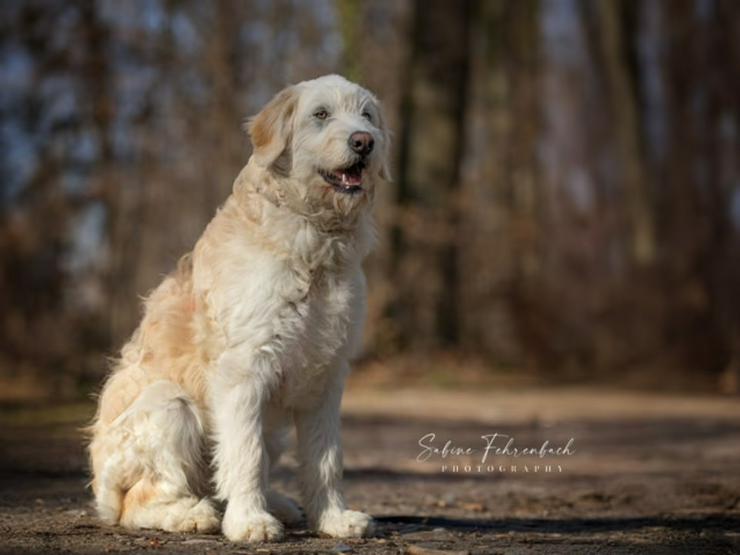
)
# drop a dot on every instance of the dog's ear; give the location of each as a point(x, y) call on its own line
point(271, 129)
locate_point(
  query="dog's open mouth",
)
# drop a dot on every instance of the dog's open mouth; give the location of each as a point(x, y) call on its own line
point(345, 180)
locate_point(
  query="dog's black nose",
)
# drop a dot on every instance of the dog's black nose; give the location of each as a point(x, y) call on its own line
point(361, 142)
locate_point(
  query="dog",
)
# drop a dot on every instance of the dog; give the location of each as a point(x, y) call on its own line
point(251, 333)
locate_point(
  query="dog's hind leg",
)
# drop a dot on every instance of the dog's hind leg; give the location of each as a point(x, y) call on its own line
point(149, 463)
point(283, 508)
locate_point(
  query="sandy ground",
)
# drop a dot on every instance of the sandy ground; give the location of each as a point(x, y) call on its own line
point(646, 474)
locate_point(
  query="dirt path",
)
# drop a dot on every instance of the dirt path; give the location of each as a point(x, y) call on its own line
point(647, 474)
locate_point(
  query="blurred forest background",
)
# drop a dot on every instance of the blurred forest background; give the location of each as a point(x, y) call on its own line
point(566, 195)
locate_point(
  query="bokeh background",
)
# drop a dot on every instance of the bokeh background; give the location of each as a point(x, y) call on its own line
point(566, 193)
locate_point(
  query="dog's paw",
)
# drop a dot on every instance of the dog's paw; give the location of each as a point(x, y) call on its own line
point(251, 527)
point(284, 508)
point(346, 524)
point(200, 517)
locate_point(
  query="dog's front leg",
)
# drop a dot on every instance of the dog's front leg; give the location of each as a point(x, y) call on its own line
point(320, 456)
point(239, 390)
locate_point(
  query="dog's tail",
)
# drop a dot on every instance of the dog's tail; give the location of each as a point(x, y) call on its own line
point(109, 493)
point(114, 473)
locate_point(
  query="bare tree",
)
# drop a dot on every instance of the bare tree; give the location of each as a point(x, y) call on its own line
point(426, 241)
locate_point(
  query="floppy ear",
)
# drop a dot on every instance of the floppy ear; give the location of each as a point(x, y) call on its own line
point(271, 129)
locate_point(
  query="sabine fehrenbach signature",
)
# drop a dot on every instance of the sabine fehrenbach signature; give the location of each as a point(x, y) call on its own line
point(495, 444)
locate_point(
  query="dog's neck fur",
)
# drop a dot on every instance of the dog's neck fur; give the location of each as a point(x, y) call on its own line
point(319, 239)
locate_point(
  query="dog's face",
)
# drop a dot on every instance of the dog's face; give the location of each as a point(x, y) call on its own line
point(327, 139)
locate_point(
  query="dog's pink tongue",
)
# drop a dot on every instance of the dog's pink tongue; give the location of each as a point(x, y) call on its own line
point(351, 178)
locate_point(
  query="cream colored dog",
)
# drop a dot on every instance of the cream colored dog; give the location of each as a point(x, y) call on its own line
point(253, 331)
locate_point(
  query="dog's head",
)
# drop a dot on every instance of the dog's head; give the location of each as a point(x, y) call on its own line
point(326, 140)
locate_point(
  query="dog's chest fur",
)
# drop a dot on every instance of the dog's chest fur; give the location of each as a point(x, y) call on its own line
point(296, 311)
point(316, 326)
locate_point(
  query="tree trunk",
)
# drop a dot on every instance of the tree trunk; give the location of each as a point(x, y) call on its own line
point(627, 131)
point(425, 237)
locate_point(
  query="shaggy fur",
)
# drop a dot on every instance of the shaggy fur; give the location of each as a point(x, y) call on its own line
point(252, 333)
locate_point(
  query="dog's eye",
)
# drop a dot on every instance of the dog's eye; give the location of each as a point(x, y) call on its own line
point(321, 114)
point(367, 115)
